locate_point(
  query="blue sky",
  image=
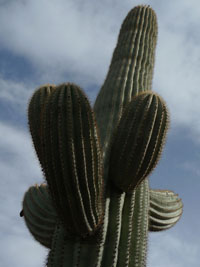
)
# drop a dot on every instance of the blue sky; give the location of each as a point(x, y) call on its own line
point(59, 41)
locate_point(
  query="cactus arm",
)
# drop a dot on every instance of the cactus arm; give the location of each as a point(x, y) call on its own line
point(73, 160)
point(39, 214)
point(138, 141)
point(165, 209)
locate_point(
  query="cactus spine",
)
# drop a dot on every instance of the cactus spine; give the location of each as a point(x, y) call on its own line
point(96, 207)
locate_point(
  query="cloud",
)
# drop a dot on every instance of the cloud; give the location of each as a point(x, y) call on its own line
point(176, 74)
point(74, 40)
point(178, 63)
point(21, 251)
point(61, 36)
point(19, 170)
point(167, 249)
point(14, 92)
point(18, 161)
point(192, 167)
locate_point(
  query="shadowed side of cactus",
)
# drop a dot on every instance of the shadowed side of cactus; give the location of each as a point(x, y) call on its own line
point(35, 116)
point(71, 157)
point(138, 140)
point(39, 214)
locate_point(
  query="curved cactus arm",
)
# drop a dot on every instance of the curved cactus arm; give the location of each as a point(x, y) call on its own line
point(39, 214)
point(73, 164)
point(138, 140)
point(165, 209)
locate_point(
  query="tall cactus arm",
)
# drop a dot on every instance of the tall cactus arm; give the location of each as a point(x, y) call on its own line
point(73, 164)
point(165, 209)
point(39, 214)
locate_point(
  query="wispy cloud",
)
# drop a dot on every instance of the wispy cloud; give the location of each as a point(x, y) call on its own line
point(74, 40)
point(14, 92)
point(167, 249)
point(192, 167)
point(21, 250)
point(177, 67)
point(19, 170)
point(62, 36)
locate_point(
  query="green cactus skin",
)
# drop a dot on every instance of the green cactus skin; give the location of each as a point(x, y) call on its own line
point(39, 214)
point(130, 73)
point(121, 240)
point(72, 159)
point(165, 209)
point(138, 140)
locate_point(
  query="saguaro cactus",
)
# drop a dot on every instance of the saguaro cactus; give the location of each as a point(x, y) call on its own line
point(96, 208)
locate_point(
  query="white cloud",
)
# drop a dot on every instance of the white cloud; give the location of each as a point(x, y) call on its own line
point(74, 40)
point(61, 36)
point(167, 249)
point(177, 74)
point(192, 167)
point(21, 251)
point(14, 92)
point(19, 170)
point(18, 160)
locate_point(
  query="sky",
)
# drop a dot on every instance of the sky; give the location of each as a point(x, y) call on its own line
point(44, 41)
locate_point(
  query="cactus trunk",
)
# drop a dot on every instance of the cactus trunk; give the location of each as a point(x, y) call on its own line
point(125, 230)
